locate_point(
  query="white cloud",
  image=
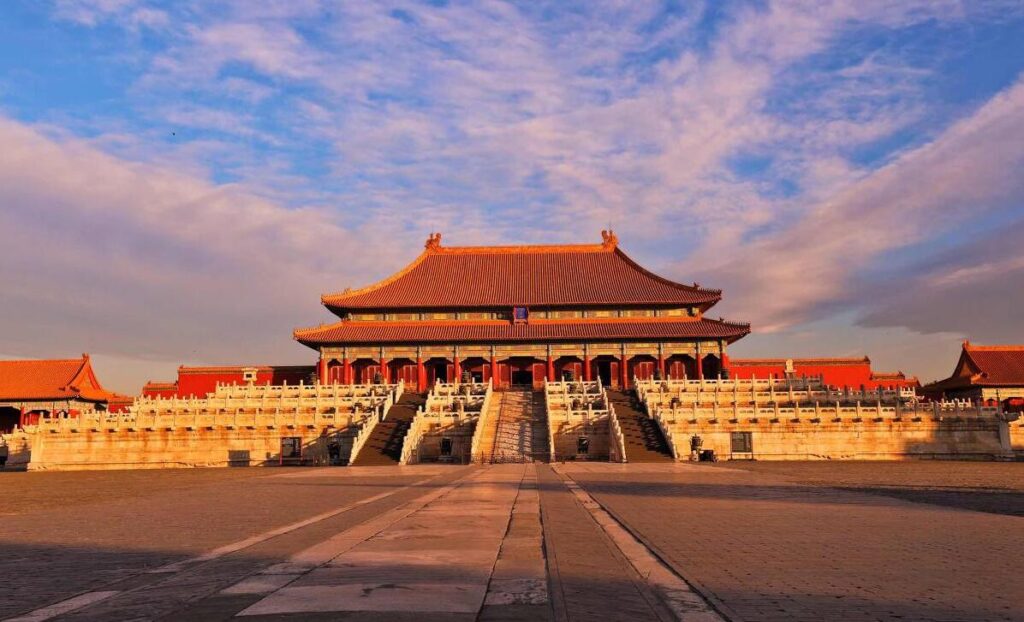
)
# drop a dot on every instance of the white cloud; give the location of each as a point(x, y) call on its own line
point(970, 171)
point(136, 260)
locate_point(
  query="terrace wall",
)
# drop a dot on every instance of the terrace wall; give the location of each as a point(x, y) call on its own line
point(848, 440)
point(181, 447)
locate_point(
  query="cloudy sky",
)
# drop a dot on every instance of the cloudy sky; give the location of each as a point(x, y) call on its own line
point(179, 182)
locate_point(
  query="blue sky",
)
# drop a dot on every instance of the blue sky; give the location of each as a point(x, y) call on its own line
point(180, 181)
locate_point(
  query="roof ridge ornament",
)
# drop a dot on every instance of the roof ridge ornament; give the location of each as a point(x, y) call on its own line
point(609, 239)
point(433, 241)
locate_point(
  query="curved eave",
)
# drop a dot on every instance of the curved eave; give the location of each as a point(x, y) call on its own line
point(349, 332)
point(713, 295)
point(333, 300)
point(341, 310)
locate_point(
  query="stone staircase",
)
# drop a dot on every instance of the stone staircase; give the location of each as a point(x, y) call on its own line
point(489, 431)
point(643, 439)
point(384, 447)
point(520, 429)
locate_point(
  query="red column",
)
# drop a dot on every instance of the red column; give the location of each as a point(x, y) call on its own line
point(495, 377)
point(661, 365)
point(725, 365)
point(586, 367)
point(551, 369)
point(700, 366)
point(346, 371)
point(457, 369)
point(21, 418)
point(321, 371)
point(624, 369)
point(421, 374)
point(384, 369)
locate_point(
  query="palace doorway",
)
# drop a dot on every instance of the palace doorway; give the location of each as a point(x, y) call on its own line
point(679, 366)
point(10, 417)
point(603, 371)
point(525, 371)
point(522, 377)
point(403, 369)
point(642, 367)
point(568, 368)
point(476, 367)
point(437, 370)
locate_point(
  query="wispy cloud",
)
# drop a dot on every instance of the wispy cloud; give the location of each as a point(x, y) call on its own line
point(139, 260)
point(967, 173)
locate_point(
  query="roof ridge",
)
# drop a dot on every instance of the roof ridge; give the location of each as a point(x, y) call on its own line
point(521, 248)
point(798, 359)
point(236, 367)
point(993, 348)
point(23, 361)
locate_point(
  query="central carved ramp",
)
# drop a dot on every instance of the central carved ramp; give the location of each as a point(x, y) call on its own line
point(642, 438)
point(384, 447)
point(520, 429)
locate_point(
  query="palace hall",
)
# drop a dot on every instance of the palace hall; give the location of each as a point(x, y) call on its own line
point(518, 315)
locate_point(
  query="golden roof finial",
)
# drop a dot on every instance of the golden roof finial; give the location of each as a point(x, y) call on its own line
point(433, 241)
point(609, 239)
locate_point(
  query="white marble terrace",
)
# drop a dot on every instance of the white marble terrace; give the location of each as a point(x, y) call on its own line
point(450, 407)
point(319, 406)
point(581, 407)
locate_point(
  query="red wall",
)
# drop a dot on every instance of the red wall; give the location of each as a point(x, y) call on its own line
point(199, 381)
point(853, 373)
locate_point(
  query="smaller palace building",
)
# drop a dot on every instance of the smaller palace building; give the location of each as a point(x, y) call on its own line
point(31, 389)
point(519, 314)
point(984, 373)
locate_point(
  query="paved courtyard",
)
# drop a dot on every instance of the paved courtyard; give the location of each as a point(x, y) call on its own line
point(735, 541)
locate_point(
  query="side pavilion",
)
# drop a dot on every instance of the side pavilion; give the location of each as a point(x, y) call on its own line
point(984, 373)
point(55, 388)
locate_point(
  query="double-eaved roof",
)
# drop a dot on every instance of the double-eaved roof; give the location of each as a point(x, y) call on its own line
point(586, 276)
point(583, 275)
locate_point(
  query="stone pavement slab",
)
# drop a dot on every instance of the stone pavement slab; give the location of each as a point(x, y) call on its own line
point(518, 589)
point(438, 559)
point(590, 578)
point(141, 520)
point(146, 594)
point(764, 547)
